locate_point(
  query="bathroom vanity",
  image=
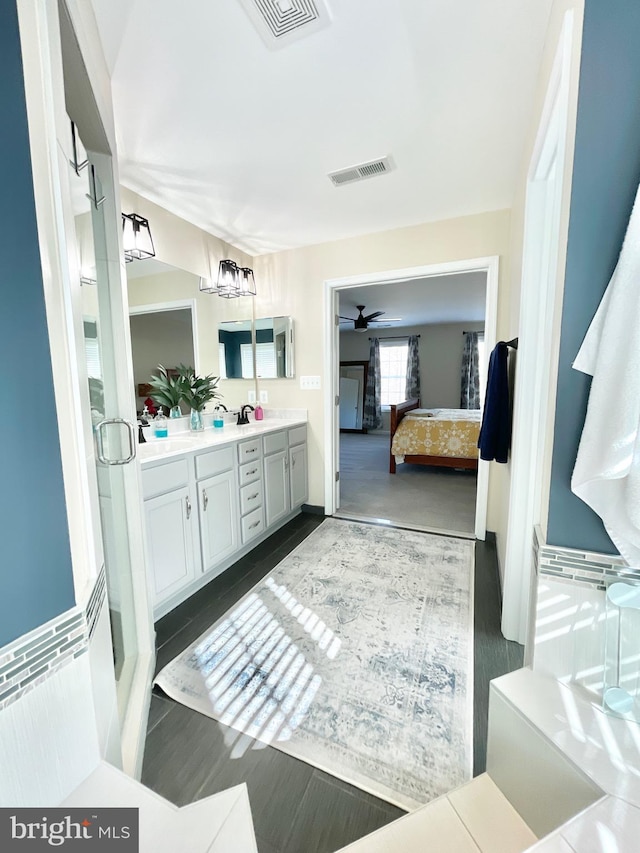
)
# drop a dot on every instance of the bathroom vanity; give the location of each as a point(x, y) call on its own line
point(211, 497)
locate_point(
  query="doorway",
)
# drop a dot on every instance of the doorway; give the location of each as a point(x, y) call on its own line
point(333, 291)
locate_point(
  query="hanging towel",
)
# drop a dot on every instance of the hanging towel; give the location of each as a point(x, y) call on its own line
point(607, 470)
point(495, 433)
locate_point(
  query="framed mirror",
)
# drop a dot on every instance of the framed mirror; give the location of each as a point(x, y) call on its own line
point(274, 347)
point(235, 346)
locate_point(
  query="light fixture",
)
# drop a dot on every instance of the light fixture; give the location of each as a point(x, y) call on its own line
point(136, 238)
point(232, 281)
point(228, 280)
point(247, 282)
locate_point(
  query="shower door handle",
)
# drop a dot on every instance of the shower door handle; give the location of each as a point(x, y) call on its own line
point(131, 434)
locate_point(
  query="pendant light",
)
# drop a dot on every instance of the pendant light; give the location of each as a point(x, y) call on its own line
point(247, 282)
point(228, 282)
point(136, 238)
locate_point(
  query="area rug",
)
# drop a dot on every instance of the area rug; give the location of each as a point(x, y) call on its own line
point(355, 654)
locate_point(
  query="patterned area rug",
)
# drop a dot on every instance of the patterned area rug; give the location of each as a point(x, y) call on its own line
point(354, 655)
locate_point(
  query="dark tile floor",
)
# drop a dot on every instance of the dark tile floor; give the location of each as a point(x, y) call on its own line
point(296, 808)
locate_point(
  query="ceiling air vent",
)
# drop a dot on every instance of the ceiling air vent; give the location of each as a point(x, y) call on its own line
point(359, 173)
point(282, 21)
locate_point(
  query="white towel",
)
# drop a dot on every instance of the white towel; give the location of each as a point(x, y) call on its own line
point(607, 470)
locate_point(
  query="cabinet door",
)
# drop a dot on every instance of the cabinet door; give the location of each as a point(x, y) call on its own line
point(276, 486)
point(298, 475)
point(218, 509)
point(170, 541)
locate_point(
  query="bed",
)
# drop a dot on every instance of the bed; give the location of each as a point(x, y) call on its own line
point(447, 437)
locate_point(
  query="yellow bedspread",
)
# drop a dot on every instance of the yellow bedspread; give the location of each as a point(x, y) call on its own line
point(438, 432)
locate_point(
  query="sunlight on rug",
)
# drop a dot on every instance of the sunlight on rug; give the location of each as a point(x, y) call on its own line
point(355, 654)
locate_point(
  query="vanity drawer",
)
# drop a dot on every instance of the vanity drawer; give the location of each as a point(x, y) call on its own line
point(249, 451)
point(250, 497)
point(252, 525)
point(214, 462)
point(249, 473)
point(164, 478)
point(297, 435)
point(274, 442)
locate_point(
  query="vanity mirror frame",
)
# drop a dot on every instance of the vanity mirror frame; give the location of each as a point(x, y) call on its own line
point(283, 333)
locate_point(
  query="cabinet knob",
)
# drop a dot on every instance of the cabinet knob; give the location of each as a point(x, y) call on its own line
point(188, 507)
point(205, 500)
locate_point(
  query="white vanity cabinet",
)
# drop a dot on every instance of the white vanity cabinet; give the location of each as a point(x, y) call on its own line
point(285, 472)
point(276, 476)
point(298, 477)
point(217, 507)
point(170, 521)
point(207, 507)
point(250, 477)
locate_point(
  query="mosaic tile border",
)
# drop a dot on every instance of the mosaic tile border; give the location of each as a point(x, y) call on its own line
point(582, 567)
point(31, 659)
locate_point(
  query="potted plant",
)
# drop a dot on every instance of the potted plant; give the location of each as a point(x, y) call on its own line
point(166, 390)
point(197, 391)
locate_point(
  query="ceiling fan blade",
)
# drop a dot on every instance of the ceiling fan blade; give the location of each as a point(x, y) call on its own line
point(375, 314)
point(386, 320)
point(351, 319)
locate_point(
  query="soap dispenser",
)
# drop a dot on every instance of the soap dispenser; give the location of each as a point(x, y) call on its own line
point(160, 427)
point(218, 418)
point(258, 412)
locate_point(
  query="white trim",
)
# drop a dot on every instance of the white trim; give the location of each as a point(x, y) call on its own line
point(489, 265)
point(541, 281)
point(175, 305)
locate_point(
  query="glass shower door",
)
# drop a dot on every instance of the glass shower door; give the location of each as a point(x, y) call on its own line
point(113, 436)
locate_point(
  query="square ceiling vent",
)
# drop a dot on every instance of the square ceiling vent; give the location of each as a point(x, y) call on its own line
point(280, 22)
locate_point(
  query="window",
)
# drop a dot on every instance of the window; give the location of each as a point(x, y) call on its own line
point(265, 360)
point(92, 350)
point(393, 371)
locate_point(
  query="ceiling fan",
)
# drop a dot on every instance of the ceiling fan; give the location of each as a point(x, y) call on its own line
point(361, 322)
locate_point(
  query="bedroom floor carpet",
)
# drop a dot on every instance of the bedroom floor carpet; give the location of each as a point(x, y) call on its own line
point(355, 655)
point(425, 498)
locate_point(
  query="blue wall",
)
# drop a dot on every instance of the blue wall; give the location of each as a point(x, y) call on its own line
point(36, 580)
point(605, 179)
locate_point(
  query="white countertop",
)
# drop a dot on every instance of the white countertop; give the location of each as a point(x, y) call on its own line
point(181, 443)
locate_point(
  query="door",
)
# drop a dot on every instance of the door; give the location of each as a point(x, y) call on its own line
point(276, 486)
point(349, 396)
point(217, 502)
point(298, 475)
point(103, 363)
point(170, 541)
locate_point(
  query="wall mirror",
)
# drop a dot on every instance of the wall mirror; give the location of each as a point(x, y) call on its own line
point(235, 349)
point(274, 348)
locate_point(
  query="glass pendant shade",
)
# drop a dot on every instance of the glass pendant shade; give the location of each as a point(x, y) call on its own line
point(227, 285)
point(207, 285)
point(247, 282)
point(136, 237)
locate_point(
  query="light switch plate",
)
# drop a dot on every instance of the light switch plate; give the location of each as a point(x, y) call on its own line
point(310, 383)
point(264, 396)
point(251, 397)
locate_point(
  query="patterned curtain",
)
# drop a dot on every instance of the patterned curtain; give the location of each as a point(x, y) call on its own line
point(413, 370)
point(470, 376)
point(372, 416)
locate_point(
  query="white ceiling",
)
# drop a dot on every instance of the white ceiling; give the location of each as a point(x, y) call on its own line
point(456, 298)
point(239, 139)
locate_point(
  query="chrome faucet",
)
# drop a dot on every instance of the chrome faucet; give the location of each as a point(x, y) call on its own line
point(242, 415)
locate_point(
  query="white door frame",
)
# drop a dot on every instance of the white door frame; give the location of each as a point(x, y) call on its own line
point(175, 305)
point(538, 349)
point(490, 266)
